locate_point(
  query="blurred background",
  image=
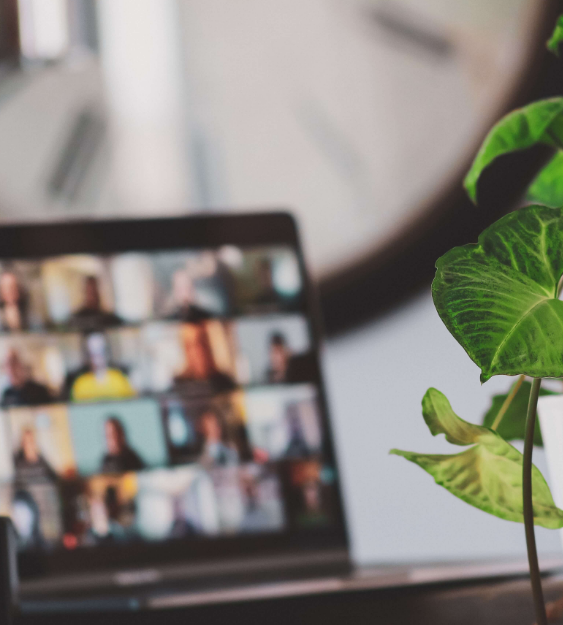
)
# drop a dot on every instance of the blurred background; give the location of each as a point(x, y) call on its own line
point(360, 116)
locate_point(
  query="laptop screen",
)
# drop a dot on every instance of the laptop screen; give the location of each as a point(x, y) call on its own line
point(161, 397)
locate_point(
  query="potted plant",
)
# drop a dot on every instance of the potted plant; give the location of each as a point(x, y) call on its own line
point(499, 298)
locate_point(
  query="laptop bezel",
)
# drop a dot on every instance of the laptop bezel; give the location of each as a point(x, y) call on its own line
point(35, 240)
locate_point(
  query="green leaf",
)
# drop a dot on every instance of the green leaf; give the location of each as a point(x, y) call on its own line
point(540, 122)
point(499, 298)
point(547, 187)
point(513, 424)
point(557, 36)
point(488, 475)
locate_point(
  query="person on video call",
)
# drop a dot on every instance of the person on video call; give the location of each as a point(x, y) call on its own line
point(285, 366)
point(119, 456)
point(14, 303)
point(29, 464)
point(214, 450)
point(183, 294)
point(100, 379)
point(297, 446)
point(22, 391)
point(257, 516)
point(200, 365)
point(279, 356)
point(91, 316)
point(265, 281)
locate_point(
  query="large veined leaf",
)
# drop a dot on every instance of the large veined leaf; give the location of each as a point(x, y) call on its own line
point(488, 475)
point(540, 122)
point(547, 186)
point(513, 424)
point(557, 36)
point(499, 297)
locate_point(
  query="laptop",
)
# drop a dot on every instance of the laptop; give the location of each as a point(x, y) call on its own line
point(163, 421)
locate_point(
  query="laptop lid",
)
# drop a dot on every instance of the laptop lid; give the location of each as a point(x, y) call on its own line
point(161, 397)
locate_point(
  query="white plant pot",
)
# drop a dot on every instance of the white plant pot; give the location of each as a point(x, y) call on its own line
point(550, 413)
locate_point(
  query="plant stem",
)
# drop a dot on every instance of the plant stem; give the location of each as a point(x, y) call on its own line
point(541, 617)
point(507, 402)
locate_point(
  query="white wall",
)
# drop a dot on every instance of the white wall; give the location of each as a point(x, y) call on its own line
point(376, 379)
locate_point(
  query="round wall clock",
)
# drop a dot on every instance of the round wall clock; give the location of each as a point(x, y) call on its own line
point(357, 115)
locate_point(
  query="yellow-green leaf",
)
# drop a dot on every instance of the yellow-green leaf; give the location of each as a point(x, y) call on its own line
point(488, 475)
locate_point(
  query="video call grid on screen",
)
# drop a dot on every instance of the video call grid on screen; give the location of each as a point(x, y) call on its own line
point(149, 397)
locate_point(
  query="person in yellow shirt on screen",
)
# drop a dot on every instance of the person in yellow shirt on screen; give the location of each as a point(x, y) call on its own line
point(101, 380)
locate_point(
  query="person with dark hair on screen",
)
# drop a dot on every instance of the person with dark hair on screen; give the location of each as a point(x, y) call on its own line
point(119, 456)
point(214, 449)
point(29, 464)
point(256, 517)
point(184, 296)
point(279, 356)
point(100, 379)
point(14, 303)
point(22, 391)
point(91, 316)
point(201, 369)
point(265, 281)
point(285, 366)
point(297, 446)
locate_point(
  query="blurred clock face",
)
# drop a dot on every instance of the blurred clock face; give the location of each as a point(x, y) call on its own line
point(351, 113)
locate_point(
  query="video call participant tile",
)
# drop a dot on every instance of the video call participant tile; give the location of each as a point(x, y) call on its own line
point(111, 367)
point(211, 431)
point(248, 499)
point(267, 280)
point(43, 459)
point(22, 302)
point(283, 421)
point(36, 512)
point(194, 358)
point(42, 448)
point(106, 510)
point(116, 437)
point(179, 502)
point(262, 497)
point(191, 286)
point(310, 493)
point(79, 293)
point(274, 349)
point(34, 367)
